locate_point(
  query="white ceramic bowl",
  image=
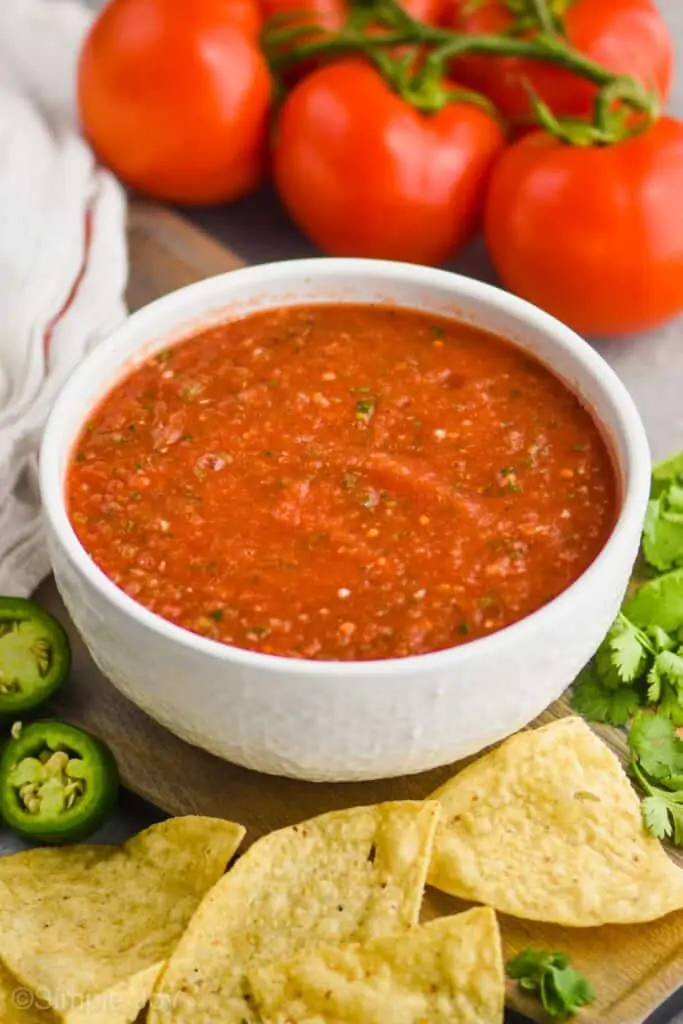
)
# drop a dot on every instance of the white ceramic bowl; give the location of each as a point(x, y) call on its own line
point(339, 720)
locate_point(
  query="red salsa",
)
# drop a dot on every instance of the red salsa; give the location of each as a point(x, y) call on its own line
point(342, 482)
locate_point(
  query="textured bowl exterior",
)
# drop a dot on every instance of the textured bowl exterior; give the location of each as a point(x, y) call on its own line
point(344, 721)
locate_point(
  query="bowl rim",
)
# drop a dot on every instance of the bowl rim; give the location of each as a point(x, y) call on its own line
point(634, 495)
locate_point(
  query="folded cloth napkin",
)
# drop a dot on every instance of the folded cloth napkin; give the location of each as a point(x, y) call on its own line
point(63, 261)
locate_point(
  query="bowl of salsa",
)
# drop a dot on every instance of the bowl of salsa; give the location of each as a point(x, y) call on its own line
point(343, 519)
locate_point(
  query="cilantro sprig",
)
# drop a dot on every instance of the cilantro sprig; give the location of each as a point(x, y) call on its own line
point(656, 763)
point(636, 675)
point(560, 987)
point(663, 531)
point(639, 663)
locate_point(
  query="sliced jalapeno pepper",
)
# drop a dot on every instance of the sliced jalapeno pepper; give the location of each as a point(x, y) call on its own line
point(57, 783)
point(34, 655)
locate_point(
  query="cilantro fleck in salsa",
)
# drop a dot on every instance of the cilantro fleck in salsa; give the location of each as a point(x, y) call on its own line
point(342, 482)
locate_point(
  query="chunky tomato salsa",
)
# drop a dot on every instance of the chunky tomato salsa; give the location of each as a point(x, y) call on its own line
point(342, 482)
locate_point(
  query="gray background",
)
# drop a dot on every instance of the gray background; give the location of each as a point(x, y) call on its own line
point(650, 365)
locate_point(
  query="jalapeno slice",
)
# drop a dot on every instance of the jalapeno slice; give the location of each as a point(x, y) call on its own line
point(58, 783)
point(34, 655)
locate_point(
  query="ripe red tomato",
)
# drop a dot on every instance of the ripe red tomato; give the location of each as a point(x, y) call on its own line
point(592, 235)
point(364, 174)
point(625, 36)
point(174, 97)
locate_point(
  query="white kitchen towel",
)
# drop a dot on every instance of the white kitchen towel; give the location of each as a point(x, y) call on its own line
point(63, 260)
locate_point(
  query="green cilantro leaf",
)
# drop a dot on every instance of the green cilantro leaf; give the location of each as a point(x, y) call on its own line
point(640, 661)
point(674, 496)
point(662, 535)
point(654, 684)
point(623, 655)
point(670, 705)
point(658, 602)
point(529, 966)
point(660, 640)
point(629, 649)
point(667, 472)
point(654, 742)
point(662, 808)
point(663, 530)
point(670, 665)
point(565, 991)
point(605, 667)
point(657, 765)
point(560, 987)
point(656, 817)
point(600, 703)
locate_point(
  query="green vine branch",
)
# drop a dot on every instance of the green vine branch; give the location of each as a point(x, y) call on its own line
point(421, 83)
point(538, 16)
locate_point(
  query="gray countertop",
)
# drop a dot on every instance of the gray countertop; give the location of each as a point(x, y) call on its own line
point(651, 367)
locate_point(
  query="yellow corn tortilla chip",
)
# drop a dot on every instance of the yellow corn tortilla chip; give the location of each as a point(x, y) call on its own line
point(449, 971)
point(548, 827)
point(18, 1005)
point(345, 876)
point(88, 928)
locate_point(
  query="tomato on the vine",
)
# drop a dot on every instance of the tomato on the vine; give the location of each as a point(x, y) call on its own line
point(625, 36)
point(363, 173)
point(174, 97)
point(593, 235)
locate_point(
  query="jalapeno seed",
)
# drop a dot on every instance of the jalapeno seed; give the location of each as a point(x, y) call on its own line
point(51, 782)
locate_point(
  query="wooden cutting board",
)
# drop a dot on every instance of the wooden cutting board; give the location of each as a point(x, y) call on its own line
point(634, 969)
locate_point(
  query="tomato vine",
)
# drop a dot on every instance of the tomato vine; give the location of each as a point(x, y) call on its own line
point(537, 15)
point(623, 106)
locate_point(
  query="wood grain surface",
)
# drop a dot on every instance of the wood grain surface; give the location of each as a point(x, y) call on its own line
point(633, 968)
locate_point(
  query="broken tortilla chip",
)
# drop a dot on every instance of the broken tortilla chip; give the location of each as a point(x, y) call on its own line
point(446, 971)
point(88, 928)
point(547, 827)
point(342, 877)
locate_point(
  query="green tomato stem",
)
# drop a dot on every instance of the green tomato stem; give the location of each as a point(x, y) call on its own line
point(538, 16)
point(347, 41)
point(544, 17)
point(542, 48)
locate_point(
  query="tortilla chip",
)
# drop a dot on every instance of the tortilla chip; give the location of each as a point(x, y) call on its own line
point(547, 827)
point(88, 928)
point(343, 877)
point(18, 1005)
point(121, 1003)
point(446, 971)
